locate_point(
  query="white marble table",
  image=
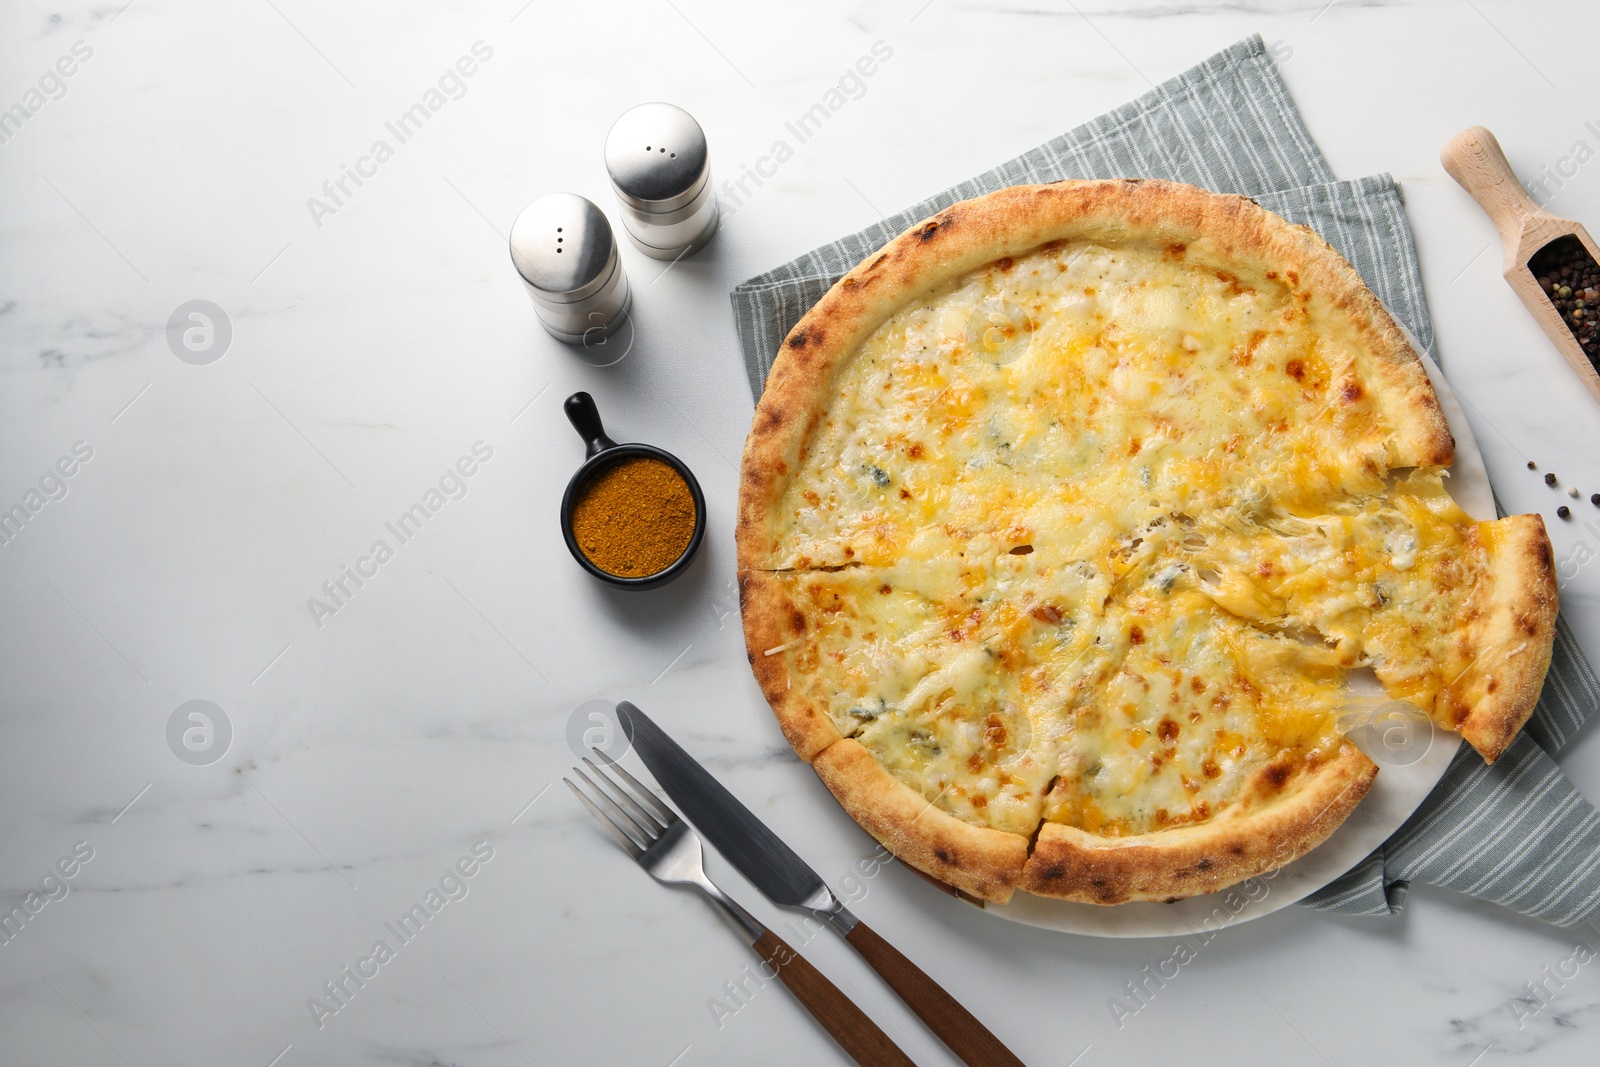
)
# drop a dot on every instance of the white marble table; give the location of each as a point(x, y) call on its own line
point(374, 344)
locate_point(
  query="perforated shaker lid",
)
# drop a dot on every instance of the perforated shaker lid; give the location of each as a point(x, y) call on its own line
point(563, 246)
point(657, 157)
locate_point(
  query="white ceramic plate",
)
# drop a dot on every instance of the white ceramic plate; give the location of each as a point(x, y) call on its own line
point(1412, 755)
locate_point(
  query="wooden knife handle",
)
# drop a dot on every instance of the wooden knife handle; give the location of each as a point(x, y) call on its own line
point(957, 1027)
point(1474, 159)
point(838, 1014)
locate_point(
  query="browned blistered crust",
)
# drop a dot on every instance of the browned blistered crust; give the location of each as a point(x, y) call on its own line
point(1284, 816)
point(1489, 703)
point(983, 862)
point(774, 624)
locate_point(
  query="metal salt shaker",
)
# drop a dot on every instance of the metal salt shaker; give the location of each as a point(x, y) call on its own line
point(661, 172)
point(565, 251)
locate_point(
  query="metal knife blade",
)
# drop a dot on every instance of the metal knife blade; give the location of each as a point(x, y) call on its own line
point(744, 840)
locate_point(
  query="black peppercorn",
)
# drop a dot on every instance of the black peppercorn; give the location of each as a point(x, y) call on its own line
point(1570, 277)
point(1549, 479)
point(1531, 466)
point(1564, 511)
point(1595, 499)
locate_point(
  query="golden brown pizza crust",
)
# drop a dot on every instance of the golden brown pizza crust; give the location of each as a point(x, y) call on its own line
point(773, 625)
point(1512, 639)
point(1012, 222)
point(974, 859)
point(1283, 815)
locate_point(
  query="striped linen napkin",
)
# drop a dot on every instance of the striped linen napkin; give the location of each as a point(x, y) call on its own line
point(1517, 832)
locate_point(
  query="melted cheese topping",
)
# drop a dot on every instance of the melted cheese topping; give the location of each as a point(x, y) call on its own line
point(1095, 536)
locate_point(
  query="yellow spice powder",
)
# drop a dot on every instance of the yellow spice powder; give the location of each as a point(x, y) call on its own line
point(634, 518)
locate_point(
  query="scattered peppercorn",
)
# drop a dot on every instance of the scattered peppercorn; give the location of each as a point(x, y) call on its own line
point(635, 518)
point(1531, 466)
point(1595, 499)
point(1572, 491)
point(1570, 277)
point(1549, 479)
point(1564, 511)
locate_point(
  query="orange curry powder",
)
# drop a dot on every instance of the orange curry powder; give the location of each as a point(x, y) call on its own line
point(634, 518)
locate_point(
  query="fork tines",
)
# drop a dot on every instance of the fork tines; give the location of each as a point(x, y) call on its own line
point(626, 817)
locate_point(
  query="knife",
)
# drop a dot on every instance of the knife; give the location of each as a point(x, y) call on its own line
point(775, 869)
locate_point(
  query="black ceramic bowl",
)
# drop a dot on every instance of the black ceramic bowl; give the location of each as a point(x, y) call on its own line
point(601, 452)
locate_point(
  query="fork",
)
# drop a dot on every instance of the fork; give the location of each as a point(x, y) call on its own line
point(666, 847)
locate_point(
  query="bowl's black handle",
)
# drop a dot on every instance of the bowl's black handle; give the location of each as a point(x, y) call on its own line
point(585, 418)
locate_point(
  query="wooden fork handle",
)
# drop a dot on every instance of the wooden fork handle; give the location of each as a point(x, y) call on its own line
point(957, 1027)
point(838, 1014)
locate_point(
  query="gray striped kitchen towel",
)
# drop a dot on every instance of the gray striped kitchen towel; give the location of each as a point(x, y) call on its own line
point(1516, 832)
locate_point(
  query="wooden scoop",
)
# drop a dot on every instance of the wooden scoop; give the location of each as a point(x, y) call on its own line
point(1474, 159)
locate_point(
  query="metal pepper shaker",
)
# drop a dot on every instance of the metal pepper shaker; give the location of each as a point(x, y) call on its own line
point(661, 172)
point(565, 251)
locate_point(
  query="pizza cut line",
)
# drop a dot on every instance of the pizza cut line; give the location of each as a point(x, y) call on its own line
point(1066, 519)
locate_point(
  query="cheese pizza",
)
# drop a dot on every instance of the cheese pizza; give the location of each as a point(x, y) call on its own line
point(1065, 520)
